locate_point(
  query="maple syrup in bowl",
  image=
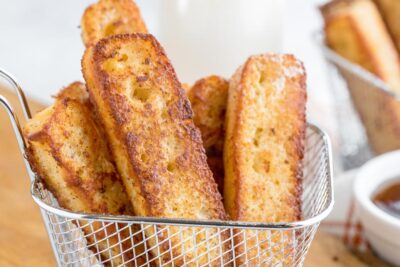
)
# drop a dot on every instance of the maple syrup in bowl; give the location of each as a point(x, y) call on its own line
point(377, 198)
point(387, 197)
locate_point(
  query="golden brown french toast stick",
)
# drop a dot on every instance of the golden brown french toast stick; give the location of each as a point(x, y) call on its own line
point(67, 150)
point(157, 148)
point(264, 143)
point(110, 17)
point(390, 10)
point(355, 30)
point(208, 97)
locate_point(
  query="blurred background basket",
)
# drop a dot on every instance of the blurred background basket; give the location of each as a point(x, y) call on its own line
point(368, 112)
point(83, 239)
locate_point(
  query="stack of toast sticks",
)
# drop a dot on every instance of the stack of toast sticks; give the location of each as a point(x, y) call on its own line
point(133, 141)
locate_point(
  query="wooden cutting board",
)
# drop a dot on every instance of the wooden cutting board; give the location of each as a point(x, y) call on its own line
point(24, 242)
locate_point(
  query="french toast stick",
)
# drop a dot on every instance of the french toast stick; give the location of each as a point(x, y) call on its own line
point(208, 97)
point(390, 10)
point(157, 148)
point(264, 142)
point(110, 17)
point(356, 31)
point(68, 152)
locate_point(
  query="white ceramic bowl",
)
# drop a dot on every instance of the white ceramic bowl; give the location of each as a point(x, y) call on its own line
point(382, 230)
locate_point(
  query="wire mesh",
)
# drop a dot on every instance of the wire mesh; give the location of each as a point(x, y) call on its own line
point(95, 240)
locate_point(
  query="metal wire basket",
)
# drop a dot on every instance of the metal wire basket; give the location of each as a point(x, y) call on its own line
point(102, 240)
point(368, 111)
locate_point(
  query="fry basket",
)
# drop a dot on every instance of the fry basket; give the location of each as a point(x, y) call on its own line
point(80, 239)
point(368, 110)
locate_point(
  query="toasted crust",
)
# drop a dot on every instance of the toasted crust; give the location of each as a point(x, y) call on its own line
point(390, 10)
point(68, 152)
point(356, 31)
point(208, 97)
point(110, 17)
point(157, 148)
point(264, 143)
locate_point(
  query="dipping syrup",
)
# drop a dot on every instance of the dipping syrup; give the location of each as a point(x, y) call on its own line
point(388, 198)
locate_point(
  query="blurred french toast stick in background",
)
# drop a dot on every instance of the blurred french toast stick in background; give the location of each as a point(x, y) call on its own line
point(264, 146)
point(356, 31)
point(157, 148)
point(208, 97)
point(390, 10)
point(67, 150)
point(110, 17)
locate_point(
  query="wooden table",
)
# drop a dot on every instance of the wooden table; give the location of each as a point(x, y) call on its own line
point(24, 242)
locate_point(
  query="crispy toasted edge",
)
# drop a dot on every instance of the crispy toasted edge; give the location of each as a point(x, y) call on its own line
point(92, 71)
point(95, 13)
point(335, 9)
point(233, 118)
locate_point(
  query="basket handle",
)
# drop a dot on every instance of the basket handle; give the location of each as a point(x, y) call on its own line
point(14, 122)
point(13, 117)
point(18, 90)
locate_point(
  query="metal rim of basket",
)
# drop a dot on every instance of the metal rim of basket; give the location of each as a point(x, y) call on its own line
point(136, 219)
point(355, 69)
